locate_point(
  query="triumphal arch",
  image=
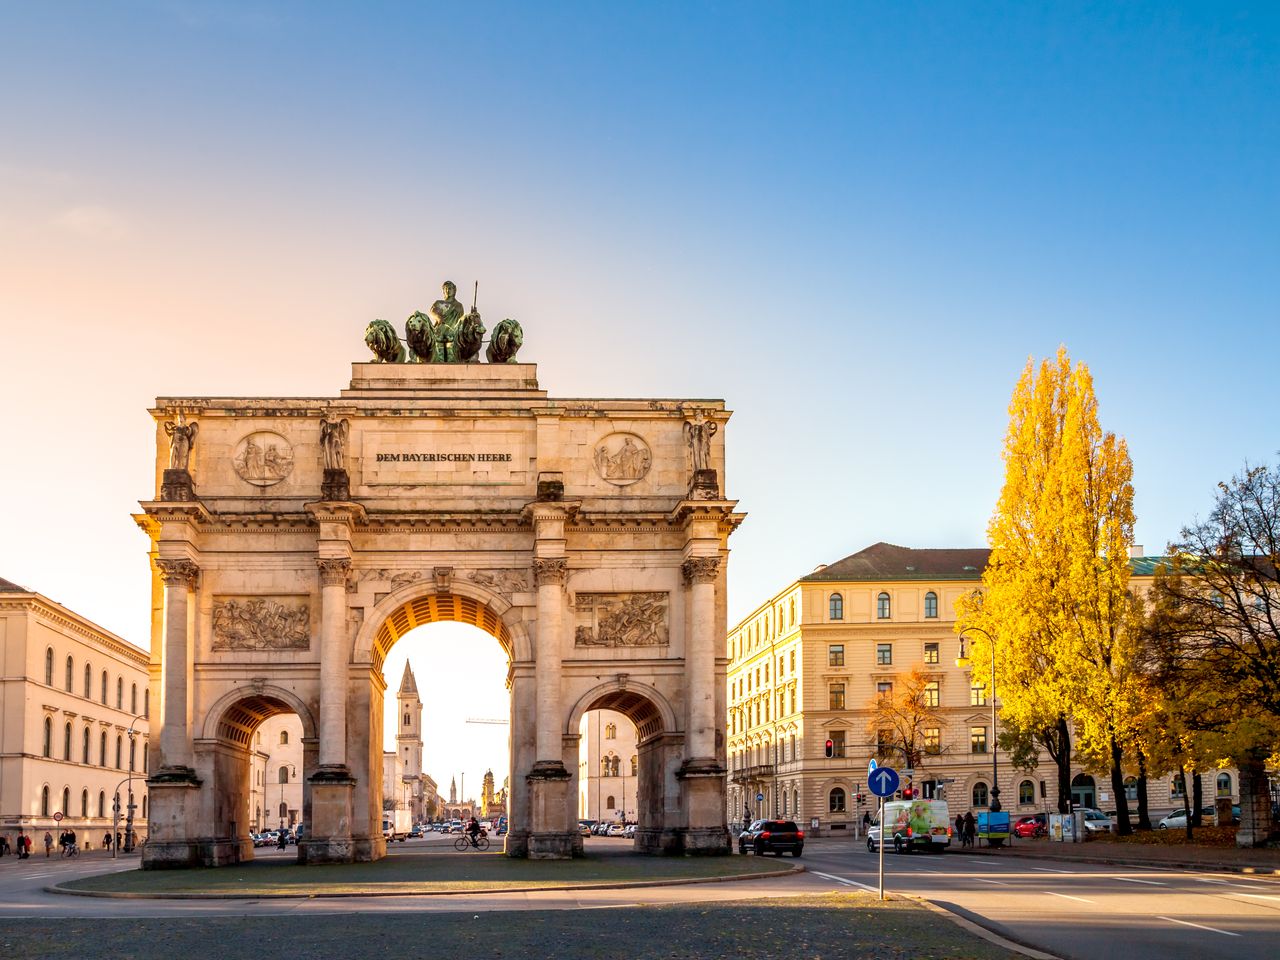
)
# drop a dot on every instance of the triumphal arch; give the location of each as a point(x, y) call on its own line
point(295, 540)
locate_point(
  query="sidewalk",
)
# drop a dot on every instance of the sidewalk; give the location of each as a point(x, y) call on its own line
point(1189, 856)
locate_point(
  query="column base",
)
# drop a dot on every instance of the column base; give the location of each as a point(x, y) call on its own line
point(549, 836)
point(174, 798)
point(702, 787)
point(329, 840)
point(517, 844)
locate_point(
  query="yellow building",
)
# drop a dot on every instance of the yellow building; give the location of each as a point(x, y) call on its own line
point(808, 666)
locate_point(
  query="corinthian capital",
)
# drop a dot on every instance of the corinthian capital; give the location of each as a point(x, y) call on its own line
point(180, 573)
point(701, 569)
point(550, 571)
point(333, 570)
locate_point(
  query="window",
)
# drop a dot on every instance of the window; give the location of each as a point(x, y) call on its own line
point(133, 754)
point(133, 699)
point(884, 743)
point(979, 794)
point(84, 803)
point(84, 753)
point(144, 808)
point(835, 655)
point(146, 751)
point(930, 653)
point(284, 734)
point(48, 667)
point(283, 773)
point(1026, 792)
point(635, 765)
point(104, 687)
point(88, 681)
point(793, 699)
point(884, 689)
point(284, 810)
point(884, 654)
point(102, 749)
point(932, 740)
point(70, 669)
point(835, 697)
point(793, 661)
point(66, 801)
point(66, 741)
point(835, 607)
point(146, 702)
point(882, 607)
point(931, 605)
point(837, 743)
point(119, 753)
point(1224, 784)
point(102, 804)
point(44, 801)
point(932, 695)
point(835, 803)
point(611, 802)
point(978, 739)
point(610, 731)
point(48, 736)
point(1179, 786)
point(792, 618)
point(977, 695)
point(1131, 788)
point(119, 693)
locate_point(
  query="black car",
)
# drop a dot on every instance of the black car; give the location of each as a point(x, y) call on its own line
point(772, 836)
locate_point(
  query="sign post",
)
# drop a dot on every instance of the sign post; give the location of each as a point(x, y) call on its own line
point(883, 781)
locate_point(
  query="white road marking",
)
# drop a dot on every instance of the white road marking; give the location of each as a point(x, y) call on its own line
point(845, 881)
point(998, 883)
point(923, 870)
point(1199, 926)
point(1257, 896)
point(1067, 896)
point(1153, 883)
point(1049, 870)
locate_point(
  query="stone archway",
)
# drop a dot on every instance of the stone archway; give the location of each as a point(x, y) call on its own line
point(295, 539)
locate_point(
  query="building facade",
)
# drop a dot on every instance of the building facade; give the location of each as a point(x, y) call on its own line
point(810, 665)
point(276, 793)
point(73, 722)
point(607, 766)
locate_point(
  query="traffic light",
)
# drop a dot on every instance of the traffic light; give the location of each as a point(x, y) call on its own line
point(831, 749)
point(907, 794)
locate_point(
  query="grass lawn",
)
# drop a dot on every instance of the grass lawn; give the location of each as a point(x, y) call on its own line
point(405, 873)
point(801, 928)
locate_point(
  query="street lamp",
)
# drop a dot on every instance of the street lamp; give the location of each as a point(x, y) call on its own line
point(292, 772)
point(964, 663)
point(115, 820)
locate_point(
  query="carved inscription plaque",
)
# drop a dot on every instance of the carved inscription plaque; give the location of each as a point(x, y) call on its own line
point(413, 458)
point(261, 623)
point(621, 619)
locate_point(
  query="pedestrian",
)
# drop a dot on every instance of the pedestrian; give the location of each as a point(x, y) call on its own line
point(866, 822)
point(24, 850)
point(106, 842)
point(970, 829)
point(71, 841)
point(48, 844)
point(4, 844)
point(959, 834)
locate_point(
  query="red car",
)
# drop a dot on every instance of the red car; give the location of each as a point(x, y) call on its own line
point(1035, 825)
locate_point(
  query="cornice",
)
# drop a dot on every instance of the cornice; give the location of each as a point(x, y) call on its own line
point(59, 617)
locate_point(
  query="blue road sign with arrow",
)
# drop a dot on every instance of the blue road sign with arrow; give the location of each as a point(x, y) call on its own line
point(883, 781)
point(871, 766)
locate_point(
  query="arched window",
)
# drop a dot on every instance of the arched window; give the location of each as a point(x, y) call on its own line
point(146, 758)
point(48, 667)
point(610, 802)
point(635, 765)
point(835, 802)
point(406, 719)
point(88, 681)
point(84, 803)
point(102, 749)
point(144, 808)
point(133, 754)
point(979, 794)
point(835, 607)
point(284, 810)
point(70, 671)
point(66, 801)
point(104, 687)
point(617, 766)
point(119, 693)
point(793, 610)
point(1179, 786)
point(284, 774)
point(44, 800)
point(48, 736)
point(604, 766)
point(66, 741)
point(102, 804)
point(284, 735)
point(146, 702)
point(931, 605)
point(85, 746)
point(119, 752)
point(610, 731)
point(795, 802)
point(1026, 792)
point(1224, 784)
point(133, 699)
point(882, 607)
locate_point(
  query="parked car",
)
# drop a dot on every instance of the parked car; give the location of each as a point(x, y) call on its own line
point(415, 832)
point(616, 830)
point(772, 836)
point(1178, 819)
point(600, 828)
point(630, 832)
point(1095, 821)
point(1035, 825)
point(585, 826)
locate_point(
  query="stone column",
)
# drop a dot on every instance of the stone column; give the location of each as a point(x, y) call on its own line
point(549, 836)
point(332, 785)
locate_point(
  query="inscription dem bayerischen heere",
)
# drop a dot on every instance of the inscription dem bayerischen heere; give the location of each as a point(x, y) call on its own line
point(409, 457)
point(463, 456)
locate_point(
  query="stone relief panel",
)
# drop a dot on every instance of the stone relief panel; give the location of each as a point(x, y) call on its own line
point(622, 458)
point(512, 580)
point(397, 578)
point(263, 458)
point(621, 619)
point(261, 623)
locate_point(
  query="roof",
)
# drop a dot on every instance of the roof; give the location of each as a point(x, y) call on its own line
point(407, 683)
point(888, 561)
point(8, 586)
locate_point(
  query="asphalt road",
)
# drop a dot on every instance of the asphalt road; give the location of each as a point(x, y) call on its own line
point(1077, 911)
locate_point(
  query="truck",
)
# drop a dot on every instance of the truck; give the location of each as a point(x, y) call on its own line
point(913, 825)
point(396, 824)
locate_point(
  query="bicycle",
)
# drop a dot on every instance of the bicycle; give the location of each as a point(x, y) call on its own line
point(464, 843)
point(71, 850)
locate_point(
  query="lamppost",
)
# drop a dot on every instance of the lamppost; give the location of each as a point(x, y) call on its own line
point(290, 771)
point(964, 663)
point(115, 819)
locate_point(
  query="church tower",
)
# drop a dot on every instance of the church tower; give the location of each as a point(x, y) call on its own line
point(453, 790)
point(486, 794)
point(409, 729)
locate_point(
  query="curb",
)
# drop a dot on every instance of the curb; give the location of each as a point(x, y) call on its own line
point(1149, 864)
point(978, 930)
point(624, 885)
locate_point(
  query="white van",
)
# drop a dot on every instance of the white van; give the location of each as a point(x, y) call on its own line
point(913, 825)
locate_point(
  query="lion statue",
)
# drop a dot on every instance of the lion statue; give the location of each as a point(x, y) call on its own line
point(506, 340)
point(470, 337)
point(420, 335)
point(380, 337)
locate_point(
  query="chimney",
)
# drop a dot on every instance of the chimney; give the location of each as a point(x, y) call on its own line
point(1135, 551)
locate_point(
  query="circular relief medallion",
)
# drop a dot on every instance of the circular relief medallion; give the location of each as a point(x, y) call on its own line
point(622, 458)
point(263, 458)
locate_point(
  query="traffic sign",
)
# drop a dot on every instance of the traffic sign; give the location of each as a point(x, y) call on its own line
point(57, 817)
point(759, 798)
point(883, 782)
point(871, 767)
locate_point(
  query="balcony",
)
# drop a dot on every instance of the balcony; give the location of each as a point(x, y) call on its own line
point(760, 771)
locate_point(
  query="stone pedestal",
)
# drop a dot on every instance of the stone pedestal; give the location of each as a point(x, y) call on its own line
point(702, 796)
point(336, 485)
point(176, 486)
point(174, 799)
point(549, 836)
point(705, 485)
point(330, 840)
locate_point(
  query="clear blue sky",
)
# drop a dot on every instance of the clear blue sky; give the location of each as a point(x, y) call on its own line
point(854, 222)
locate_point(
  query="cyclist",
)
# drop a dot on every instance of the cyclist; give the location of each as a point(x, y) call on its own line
point(473, 830)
